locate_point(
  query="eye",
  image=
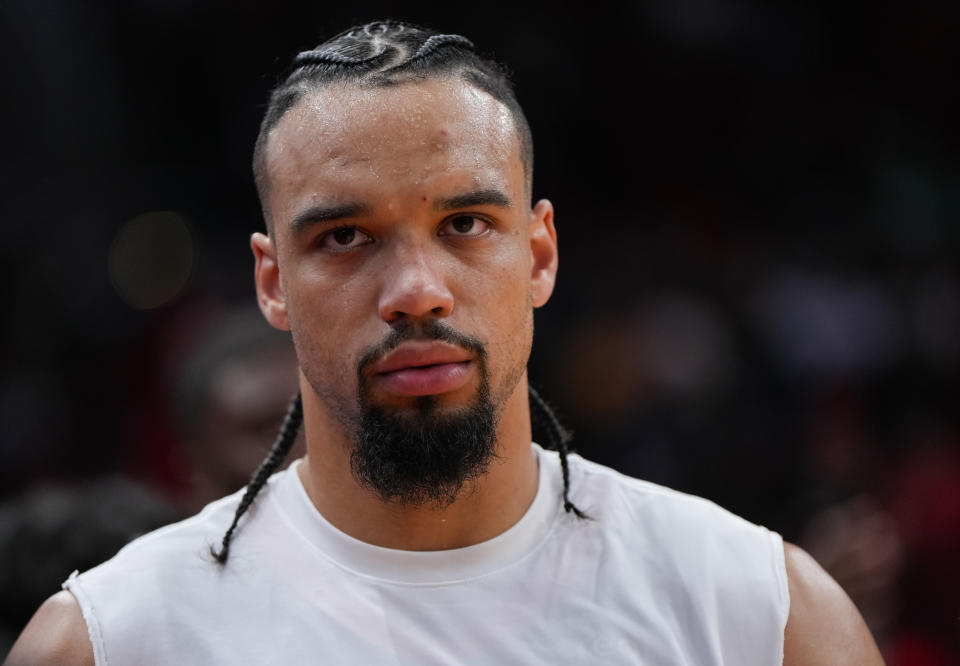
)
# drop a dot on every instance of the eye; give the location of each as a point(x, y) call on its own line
point(343, 238)
point(465, 225)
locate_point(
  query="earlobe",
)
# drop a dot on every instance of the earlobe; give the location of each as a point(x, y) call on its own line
point(543, 247)
point(266, 274)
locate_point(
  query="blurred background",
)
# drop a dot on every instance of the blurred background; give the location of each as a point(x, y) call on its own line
point(759, 296)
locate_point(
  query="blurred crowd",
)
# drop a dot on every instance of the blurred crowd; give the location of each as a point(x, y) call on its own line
point(759, 296)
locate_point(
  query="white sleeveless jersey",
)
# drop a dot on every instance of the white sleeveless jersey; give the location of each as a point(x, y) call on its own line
point(654, 577)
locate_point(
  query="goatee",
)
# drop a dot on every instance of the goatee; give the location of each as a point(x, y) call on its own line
point(427, 454)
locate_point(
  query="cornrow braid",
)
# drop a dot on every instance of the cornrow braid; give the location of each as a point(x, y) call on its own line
point(316, 57)
point(384, 54)
point(559, 438)
point(281, 447)
point(435, 42)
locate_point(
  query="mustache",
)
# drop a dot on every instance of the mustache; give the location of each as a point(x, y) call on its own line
point(430, 330)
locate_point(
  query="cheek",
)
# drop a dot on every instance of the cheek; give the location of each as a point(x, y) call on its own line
point(327, 305)
point(326, 321)
point(496, 304)
point(502, 295)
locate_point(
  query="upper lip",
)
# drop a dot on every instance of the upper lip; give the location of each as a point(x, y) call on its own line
point(420, 354)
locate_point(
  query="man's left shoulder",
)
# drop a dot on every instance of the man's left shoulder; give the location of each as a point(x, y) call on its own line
point(711, 547)
point(704, 575)
point(664, 512)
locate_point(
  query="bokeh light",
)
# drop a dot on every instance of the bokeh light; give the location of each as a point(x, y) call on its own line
point(151, 259)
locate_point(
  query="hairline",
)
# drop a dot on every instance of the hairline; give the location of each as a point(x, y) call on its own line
point(524, 139)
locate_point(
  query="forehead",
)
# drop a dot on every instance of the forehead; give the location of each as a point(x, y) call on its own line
point(350, 136)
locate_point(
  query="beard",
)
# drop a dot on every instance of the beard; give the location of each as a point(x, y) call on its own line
point(425, 454)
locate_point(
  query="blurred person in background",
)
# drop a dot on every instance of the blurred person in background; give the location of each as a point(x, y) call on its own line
point(228, 390)
point(52, 529)
point(421, 532)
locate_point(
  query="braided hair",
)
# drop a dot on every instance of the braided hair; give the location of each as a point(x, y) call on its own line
point(544, 421)
point(281, 447)
point(387, 53)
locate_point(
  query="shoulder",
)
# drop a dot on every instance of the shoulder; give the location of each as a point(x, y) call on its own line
point(824, 627)
point(212, 518)
point(714, 549)
point(183, 544)
point(56, 634)
point(152, 565)
point(689, 539)
point(708, 576)
point(605, 492)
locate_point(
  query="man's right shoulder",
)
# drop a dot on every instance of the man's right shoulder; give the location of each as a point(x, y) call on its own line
point(56, 634)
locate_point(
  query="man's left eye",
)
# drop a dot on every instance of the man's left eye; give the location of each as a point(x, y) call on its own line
point(464, 225)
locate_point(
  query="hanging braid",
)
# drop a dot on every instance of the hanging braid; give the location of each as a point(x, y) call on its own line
point(281, 447)
point(559, 437)
point(542, 415)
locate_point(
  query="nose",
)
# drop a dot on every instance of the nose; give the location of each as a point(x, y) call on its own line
point(414, 286)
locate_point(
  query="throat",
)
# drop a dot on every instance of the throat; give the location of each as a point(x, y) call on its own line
point(483, 509)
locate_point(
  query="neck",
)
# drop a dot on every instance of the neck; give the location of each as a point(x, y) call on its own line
point(483, 509)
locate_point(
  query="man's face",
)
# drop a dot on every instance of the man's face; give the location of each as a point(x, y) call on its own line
point(396, 213)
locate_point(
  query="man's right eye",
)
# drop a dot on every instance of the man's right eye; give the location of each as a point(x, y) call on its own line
point(343, 238)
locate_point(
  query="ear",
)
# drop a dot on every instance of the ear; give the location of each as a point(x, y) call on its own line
point(543, 247)
point(266, 274)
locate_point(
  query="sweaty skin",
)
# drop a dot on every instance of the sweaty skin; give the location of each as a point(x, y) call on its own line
point(402, 170)
point(428, 180)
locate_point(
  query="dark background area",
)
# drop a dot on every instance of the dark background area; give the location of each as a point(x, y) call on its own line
point(758, 207)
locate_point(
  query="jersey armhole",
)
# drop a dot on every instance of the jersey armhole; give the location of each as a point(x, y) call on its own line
point(75, 587)
point(783, 587)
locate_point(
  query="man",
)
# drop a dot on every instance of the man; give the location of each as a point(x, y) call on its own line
point(394, 167)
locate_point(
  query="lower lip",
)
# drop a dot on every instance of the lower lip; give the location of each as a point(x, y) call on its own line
point(429, 380)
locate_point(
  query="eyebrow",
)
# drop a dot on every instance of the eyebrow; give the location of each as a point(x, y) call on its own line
point(317, 214)
point(488, 197)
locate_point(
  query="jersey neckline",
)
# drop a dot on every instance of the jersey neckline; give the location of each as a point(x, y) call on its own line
point(424, 567)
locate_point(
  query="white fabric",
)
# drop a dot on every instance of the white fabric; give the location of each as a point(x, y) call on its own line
point(654, 577)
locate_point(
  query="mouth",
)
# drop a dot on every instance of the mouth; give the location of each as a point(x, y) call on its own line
point(420, 369)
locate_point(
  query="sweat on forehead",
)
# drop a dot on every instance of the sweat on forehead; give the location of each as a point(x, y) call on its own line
point(381, 56)
point(399, 132)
